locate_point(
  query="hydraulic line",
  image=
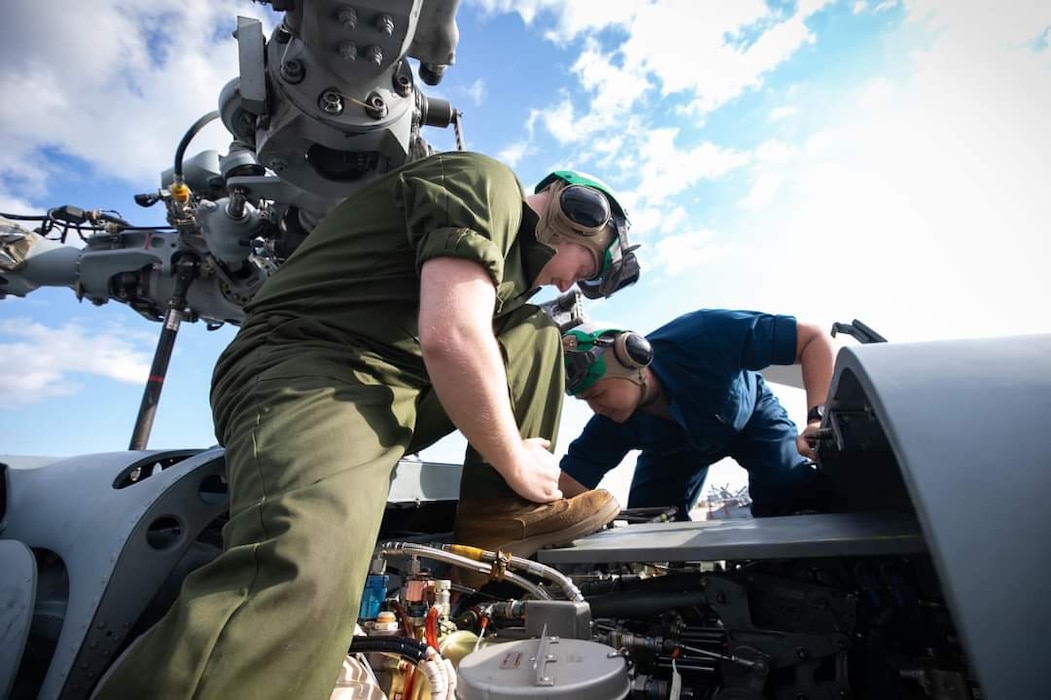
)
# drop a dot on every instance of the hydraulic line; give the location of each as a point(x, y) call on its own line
point(406, 647)
point(185, 142)
point(421, 550)
point(529, 566)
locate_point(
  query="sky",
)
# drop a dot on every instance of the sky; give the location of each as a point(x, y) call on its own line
point(886, 161)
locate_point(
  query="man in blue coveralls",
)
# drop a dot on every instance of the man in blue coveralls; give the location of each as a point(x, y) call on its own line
point(688, 395)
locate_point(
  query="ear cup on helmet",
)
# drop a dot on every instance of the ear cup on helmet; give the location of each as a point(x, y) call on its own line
point(632, 350)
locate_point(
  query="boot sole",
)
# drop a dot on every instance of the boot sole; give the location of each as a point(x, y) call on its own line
point(593, 523)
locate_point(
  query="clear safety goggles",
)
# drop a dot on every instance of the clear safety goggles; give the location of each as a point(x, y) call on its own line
point(619, 267)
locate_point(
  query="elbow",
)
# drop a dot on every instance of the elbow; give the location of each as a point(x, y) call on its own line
point(442, 343)
point(434, 342)
point(813, 340)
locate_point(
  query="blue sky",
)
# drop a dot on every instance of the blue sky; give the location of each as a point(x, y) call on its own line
point(888, 161)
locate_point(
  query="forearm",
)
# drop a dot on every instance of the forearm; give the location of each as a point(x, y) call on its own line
point(468, 375)
point(463, 358)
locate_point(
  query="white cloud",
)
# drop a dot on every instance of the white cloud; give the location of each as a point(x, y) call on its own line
point(615, 88)
point(669, 168)
point(690, 54)
point(981, 26)
point(137, 92)
point(763, 191)
point(41, 361)
point(708, 54)
point(921, 208)
point(514, 153)
point(781, 113)
point(476, 92)
point(684, 251)
point(560, 121)
point(673, 220)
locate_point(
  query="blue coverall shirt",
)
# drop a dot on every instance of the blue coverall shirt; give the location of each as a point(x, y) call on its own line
point(707, 361)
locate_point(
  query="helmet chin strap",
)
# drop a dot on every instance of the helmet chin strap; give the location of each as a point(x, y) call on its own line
point(642, 399)
point(646, 400)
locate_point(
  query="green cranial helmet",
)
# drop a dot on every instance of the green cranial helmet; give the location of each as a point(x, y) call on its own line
point(586, 211)
point(592, 352)
point(575, 177)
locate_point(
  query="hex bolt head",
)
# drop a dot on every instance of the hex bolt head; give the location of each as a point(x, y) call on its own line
point(348, 17)
point(374, 54)
point(348, 50)
point(330, 102)
point(385, 24)
point(293, 71)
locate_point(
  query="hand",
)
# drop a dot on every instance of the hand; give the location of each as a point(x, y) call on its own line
point(535, 477)
point(806, 442)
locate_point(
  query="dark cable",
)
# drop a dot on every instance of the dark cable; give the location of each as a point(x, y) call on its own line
point(187, 137)
point(410, 649)
point(24, 217)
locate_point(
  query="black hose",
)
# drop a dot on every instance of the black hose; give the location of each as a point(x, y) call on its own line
point(408, 648)
point(643, 604)
point(670, 583)
point(24, 217)
point(187, 137)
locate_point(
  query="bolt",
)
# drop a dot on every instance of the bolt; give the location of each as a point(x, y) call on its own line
point(385, 23)
point(348, 50)
point(348, 17)
point(374, 54)
point(331, 102)
point(802, 653)
point(375, 107)
point(293, 71)
point(278, 165)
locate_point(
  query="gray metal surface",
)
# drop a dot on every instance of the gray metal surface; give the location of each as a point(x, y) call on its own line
point(970, 425)
point(546, 669)
point(820, 535)
point(17, 591)
point(107, 539)
point(415, 481)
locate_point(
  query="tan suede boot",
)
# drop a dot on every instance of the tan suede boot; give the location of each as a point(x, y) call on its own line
point(520, 527)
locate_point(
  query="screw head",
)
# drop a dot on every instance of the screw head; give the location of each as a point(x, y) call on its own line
point(348, 17)
point(293, 71)
point(348, 50)
point(331, 102)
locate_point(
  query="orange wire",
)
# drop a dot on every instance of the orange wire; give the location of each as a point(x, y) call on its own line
point(430, 626)
point(410, 680)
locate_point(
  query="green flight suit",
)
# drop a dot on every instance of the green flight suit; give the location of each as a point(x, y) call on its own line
point(316, 399)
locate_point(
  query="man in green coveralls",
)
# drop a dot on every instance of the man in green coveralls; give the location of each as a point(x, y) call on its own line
point(401, 318)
